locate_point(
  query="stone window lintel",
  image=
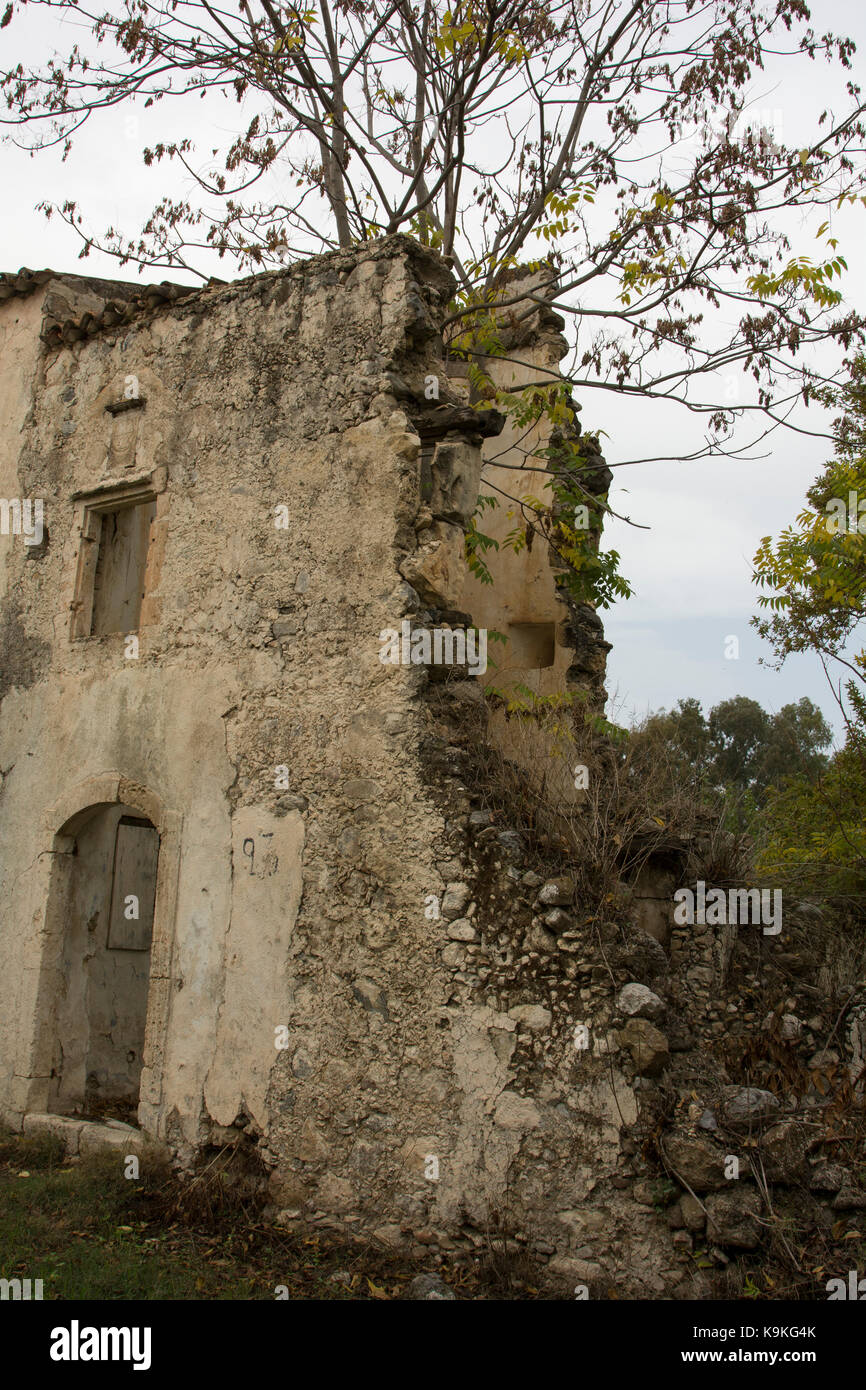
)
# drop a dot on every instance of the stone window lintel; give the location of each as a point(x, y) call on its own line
point(112, 493)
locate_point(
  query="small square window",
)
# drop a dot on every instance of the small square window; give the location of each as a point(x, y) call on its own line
point(531, 646)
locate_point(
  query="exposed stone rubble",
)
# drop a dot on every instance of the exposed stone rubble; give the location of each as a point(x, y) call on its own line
point(537, 966)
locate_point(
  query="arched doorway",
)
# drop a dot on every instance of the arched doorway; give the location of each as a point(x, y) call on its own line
point(101, 905)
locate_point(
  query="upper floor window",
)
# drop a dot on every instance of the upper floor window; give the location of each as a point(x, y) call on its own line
point(113, 580)
point(121, 562)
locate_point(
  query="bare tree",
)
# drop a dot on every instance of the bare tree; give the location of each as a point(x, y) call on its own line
point(608, 142)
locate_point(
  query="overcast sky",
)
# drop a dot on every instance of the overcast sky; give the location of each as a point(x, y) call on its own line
point(691, 570)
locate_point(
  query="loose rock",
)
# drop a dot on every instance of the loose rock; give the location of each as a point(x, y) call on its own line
point(695, 1160)
point(748, 1107)
point(557, 892)
point(732, 1219)
point(637, 1001)
point(648, 1047)
point(454, 900)
point(430, 1288)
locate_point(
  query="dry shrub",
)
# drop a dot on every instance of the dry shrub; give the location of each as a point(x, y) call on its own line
point(640, 804)
point(229, 1188)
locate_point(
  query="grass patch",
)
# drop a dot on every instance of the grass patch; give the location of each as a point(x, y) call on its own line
point(90, 1233)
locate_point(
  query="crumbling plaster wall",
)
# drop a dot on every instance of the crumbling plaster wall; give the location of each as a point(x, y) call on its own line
point(259, 649)
point(525, 602)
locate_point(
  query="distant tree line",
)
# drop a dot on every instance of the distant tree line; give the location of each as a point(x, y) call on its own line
point(738, 746)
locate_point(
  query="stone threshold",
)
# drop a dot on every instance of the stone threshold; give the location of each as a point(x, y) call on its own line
point(90, 1136)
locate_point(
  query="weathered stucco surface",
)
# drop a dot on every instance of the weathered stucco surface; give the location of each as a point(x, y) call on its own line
point(351, 967)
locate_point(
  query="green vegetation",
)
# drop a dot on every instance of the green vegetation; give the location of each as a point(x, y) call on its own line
point(813, 582)
point(739, 748)
point(804, 808)
point(90, 1233)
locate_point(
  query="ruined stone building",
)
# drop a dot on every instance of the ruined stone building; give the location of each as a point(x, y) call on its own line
point(245, 885)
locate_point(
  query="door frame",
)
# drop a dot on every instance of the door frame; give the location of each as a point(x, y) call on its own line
point(44, 978)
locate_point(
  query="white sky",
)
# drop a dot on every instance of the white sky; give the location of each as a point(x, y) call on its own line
point(691, 570)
